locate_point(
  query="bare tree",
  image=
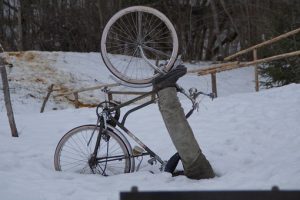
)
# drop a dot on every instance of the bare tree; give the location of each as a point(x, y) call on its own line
point(207, 29)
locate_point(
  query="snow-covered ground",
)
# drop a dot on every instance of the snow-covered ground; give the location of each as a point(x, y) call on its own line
point(34, 72)
point(251, 139)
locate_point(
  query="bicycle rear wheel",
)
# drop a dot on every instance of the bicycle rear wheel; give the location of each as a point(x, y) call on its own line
point(73, 152)
point(137, 43)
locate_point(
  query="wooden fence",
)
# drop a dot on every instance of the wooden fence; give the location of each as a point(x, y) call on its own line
point(212, 70)
point(75, 93)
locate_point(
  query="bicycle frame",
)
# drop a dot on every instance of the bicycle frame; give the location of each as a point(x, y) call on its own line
point(105, 115)
point(121, 125)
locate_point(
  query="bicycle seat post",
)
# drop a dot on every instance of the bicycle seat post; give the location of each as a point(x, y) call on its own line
point(105, 90)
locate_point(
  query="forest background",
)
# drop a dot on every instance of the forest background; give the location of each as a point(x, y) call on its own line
point(207, 29)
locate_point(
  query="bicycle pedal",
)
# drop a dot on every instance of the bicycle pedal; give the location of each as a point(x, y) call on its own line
point(137, 151)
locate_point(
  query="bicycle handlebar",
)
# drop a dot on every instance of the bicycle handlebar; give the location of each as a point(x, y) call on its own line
point(192, 96)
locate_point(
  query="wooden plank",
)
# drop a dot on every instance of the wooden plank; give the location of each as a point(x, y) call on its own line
point(50, 90)
point(88, 89)
point(109, 96)
point(219, 69)
point(255, 71)
point(263, 44)
point(212, 67)
point(7, 100)
point(246, 64)
point(272, 58)
point(76, 99)
point(214, 84)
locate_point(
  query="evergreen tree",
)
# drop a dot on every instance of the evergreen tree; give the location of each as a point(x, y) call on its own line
point(285, 71)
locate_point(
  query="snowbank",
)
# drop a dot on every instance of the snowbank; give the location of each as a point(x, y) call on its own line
point(35, 71)
point(251, 139)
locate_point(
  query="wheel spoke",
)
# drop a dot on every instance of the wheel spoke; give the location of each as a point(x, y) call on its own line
point(133, 27)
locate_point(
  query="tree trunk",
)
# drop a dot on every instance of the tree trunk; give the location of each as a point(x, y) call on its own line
point(20, 29)
point(216, 29)
point(100, 13)
point(1, 19)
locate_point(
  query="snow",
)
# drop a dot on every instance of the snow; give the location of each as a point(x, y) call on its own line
point(34, 72)
point(251, 139)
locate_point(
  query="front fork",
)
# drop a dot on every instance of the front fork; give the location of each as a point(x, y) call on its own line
point(93, 161)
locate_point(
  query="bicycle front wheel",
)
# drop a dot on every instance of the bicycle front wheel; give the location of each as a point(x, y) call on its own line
point(137, 43)
point(74, 152)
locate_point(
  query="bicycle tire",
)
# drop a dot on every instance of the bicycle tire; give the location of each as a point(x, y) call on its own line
point(72, 152)
point(126, 32)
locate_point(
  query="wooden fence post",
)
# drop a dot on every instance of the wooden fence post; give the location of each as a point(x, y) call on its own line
point(76, 101)
point(50, 90)
point(109, 96)
point(214, 83)
point(255, 70)
point(7, 100)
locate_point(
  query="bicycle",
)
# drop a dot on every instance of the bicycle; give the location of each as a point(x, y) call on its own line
point(102, 148)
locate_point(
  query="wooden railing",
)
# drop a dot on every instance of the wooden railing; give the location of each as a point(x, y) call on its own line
point(75, 94)
point(234, 65)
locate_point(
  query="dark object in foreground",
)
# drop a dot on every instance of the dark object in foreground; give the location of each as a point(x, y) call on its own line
point(211, 195)
point(169, 79)
point(172, 163)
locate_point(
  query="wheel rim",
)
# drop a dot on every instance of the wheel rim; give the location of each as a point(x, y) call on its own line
point(131, 30)
point(74, 155)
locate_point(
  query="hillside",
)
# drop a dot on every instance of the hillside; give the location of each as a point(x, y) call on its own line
point(33, 72)
point(251, 139)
